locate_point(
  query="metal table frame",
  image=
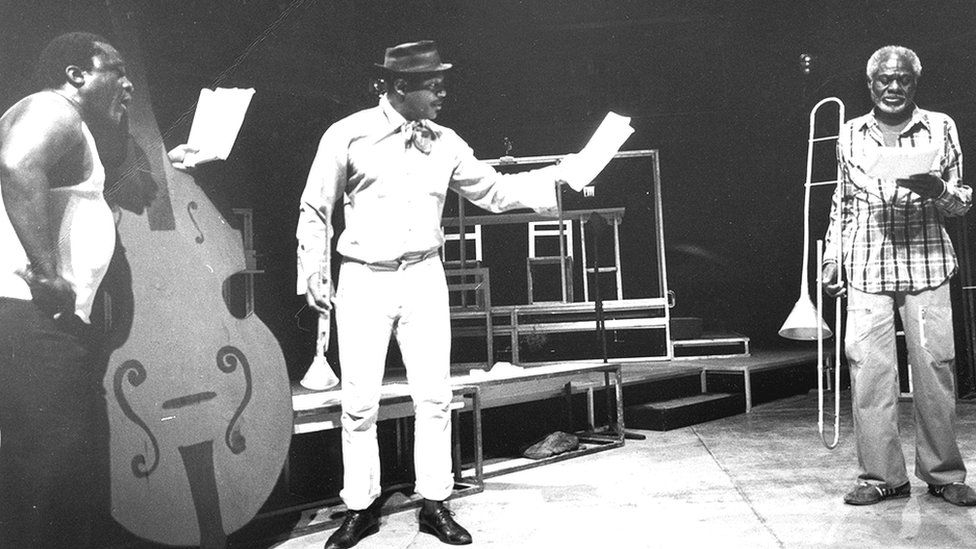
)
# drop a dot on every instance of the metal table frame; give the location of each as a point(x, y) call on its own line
point(558, 380)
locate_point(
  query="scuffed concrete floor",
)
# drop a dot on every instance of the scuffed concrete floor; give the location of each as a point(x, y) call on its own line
point(754, 480)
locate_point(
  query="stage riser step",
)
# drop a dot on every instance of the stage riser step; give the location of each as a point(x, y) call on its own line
point(709, 345)
point(770, 385)
point(684, 411)
point(665, 389)
point(717, 350)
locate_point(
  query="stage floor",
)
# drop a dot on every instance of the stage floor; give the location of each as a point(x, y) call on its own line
point(753, 480)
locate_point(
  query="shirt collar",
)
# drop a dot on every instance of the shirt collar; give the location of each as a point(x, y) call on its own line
point(918, 117)
point(397, 120)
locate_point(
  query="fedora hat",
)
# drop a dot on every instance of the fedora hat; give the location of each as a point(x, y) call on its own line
point(414, 57)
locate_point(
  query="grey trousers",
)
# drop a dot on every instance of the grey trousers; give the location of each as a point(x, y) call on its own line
point(870, 345)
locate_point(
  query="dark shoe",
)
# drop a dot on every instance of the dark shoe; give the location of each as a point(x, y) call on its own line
point(356, 526)
point(869, 494)
point(955, 493)
point(438, 522)
point(556, 443)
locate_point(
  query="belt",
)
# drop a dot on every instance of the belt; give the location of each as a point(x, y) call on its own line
point(399, 263)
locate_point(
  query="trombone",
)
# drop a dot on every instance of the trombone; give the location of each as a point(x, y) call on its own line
point(805, 322)
point(320, 376)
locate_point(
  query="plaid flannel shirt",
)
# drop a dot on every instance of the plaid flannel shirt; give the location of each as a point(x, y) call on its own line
point(893, 239)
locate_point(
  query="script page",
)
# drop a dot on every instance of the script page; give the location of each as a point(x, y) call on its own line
point(580, 169)
point(900, 162)
point(216, 123)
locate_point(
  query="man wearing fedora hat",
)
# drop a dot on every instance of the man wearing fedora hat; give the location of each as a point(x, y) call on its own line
point(392, 166)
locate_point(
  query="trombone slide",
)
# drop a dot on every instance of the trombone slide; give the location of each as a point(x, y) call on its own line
point(821, 359)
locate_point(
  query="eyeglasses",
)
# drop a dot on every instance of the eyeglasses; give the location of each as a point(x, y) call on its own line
point(902, 79)
point(435, 88)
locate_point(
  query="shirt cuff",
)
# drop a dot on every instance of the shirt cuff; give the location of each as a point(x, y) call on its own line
point(301, 283)
point(944, 200)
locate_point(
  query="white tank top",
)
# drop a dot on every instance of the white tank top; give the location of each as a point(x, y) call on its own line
point(86, 238)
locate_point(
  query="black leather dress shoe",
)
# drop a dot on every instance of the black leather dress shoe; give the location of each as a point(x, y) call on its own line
point(356, 526)
point(438, 521)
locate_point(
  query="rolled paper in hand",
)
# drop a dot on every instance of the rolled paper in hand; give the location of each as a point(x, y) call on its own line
point(320, 375)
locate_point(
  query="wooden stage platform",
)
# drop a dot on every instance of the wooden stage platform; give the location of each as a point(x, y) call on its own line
point(644, 372)
point(634, 373)
point(506, 384)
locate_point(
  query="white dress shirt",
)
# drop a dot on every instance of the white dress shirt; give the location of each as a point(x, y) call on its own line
point(394, 194)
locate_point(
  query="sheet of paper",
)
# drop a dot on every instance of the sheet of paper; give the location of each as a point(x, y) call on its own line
point(216, 123)
point(582, 168)
point(900, 162)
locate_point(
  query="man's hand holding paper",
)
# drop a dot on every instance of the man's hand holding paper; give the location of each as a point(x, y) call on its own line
point(216, 123)
point(578, 170)
point(926, 185)
point(178, 155)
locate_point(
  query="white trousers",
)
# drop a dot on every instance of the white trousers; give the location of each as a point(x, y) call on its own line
point(927, 319)
point(412, 304)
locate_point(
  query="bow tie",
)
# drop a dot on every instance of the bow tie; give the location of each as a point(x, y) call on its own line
point(418, 134)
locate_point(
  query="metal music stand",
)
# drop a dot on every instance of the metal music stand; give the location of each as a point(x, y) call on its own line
point(597, 222)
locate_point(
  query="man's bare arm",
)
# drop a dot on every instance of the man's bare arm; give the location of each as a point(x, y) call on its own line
point(34, 138)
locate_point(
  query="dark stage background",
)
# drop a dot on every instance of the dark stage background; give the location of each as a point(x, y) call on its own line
point(715, 85)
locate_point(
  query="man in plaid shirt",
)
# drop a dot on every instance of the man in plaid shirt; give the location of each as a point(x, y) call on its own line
point(897, 255)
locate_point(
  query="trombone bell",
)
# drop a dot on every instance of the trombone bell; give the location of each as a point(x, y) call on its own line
point(804, 324)
point(320, 375)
